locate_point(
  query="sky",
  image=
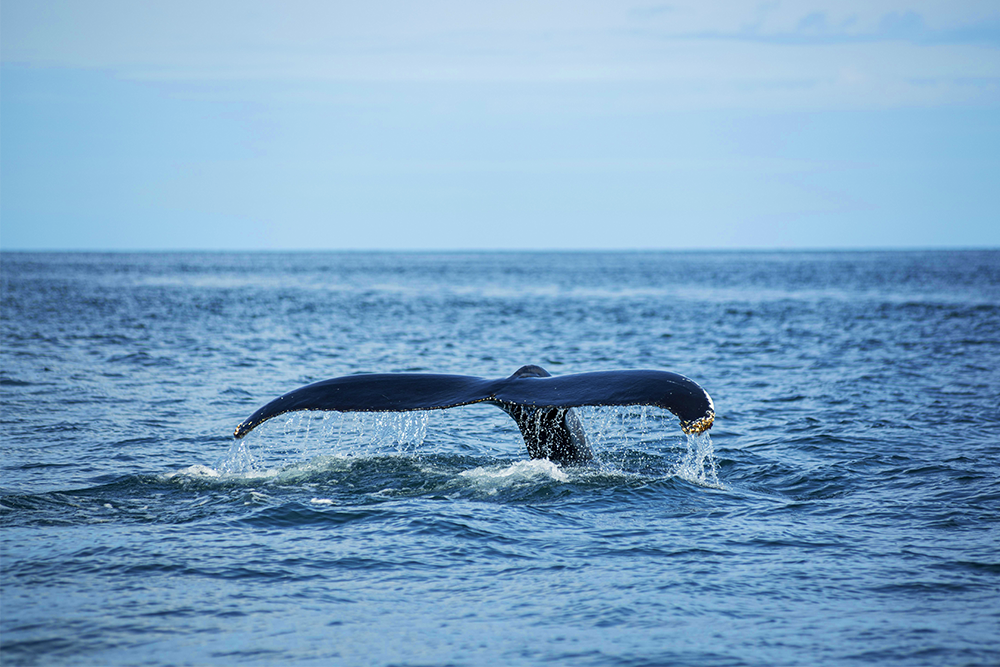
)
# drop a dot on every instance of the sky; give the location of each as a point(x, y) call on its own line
point(327, 125)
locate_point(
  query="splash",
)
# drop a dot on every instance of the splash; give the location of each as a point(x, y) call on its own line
point(611, 428)
point(632, 437)
point(238, 460)
point(311, 435)
point(698, 464)
point(402, 431)
point(628, 440)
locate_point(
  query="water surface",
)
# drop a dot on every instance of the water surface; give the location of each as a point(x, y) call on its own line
point(844, 509)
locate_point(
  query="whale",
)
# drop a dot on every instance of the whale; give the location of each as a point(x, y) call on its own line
point(540, 404)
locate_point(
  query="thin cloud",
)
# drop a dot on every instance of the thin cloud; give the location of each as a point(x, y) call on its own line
point(817, 28)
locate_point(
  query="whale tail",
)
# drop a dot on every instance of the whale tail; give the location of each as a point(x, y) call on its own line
point(540, 404)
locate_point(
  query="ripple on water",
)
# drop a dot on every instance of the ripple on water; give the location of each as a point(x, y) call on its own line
point(843, 512)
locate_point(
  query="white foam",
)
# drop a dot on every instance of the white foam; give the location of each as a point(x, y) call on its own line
point(196, 470)
point(495, 478)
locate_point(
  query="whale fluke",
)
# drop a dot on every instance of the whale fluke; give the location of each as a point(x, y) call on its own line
point(540, 404)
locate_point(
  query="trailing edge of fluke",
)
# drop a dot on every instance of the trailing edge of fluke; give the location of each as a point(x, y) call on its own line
point(540, 403)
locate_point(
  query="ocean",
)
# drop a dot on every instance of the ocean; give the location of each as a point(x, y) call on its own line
point(843, 510)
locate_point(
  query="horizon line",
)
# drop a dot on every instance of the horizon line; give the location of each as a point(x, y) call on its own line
point(474, 250)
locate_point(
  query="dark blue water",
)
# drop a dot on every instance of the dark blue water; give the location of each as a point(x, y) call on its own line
point(844, 511)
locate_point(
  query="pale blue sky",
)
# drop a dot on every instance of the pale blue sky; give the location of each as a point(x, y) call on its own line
point(451, 125)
